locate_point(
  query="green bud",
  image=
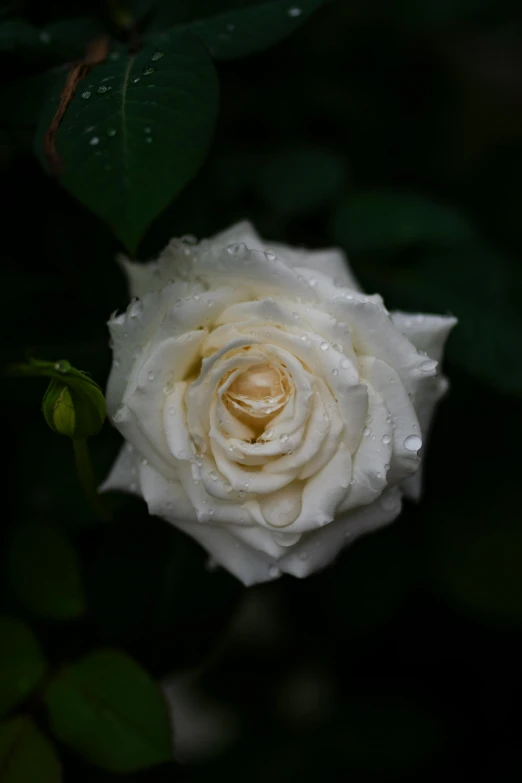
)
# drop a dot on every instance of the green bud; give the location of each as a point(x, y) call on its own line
point(74, 406)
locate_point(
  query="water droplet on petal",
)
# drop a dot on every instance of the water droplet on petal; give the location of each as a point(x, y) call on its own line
point(295, 12)
point(428, 366)
point(213, 475)
point(94, 141)
point(312, 282)
point(136, 79)
point(296, 316)
point(284, 438)
point(270, 255)
point(335, 371)
point(151, 376)
point(324, 346)
point(157, 56)
point(412, 443)
point(386, 439)
point(366, 431)
point(274, 572)
point(111, 132)
point(148, 70)
point(102, 88)
point(86, 94)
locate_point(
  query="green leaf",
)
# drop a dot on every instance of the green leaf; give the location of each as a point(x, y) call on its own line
point(63, 40)
point(108, 709)
point(26, 755)
point(379, 219)
point(300, 179)
point(44, 571)
point(234, 28)
point(22, 664)
point(136, 132)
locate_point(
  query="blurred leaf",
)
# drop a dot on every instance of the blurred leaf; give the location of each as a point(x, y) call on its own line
point(63, 40)
point(22, 664)
point(26, 756)
point(109, 710)
point(234, 28)
point(136, 132)
point(44, 571)
point(380, 219)
point(476, 560)
point(300, 179)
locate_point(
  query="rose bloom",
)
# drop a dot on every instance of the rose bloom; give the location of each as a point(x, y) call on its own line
point(271, 410)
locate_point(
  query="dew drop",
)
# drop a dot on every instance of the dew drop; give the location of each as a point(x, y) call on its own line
point(94, 141)
point(386, 439)
point(270, 255)
point(428, 366)
point(86, 94)
point(196, 297)
point(213, 475)
point(148, 130)
point(412, 443)
point(111, 132)
point(295, 12)
point(157, 56)
point(102, 88)
point(324, 346)
point(284, 438)
point(148, 140)
point(136, 79)
point(335, 371)
point(366, 431)
point(151, 376)
point(296, 316)
point(345, 364)
point(274, 572)
point(148, 70)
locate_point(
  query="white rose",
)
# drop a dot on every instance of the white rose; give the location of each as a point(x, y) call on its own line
point(271, 410)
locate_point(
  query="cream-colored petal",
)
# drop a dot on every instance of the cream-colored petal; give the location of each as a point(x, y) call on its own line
point(124, 474)
point(427, 332)
point(372, 458)
point(406, 433)
point(329, 261)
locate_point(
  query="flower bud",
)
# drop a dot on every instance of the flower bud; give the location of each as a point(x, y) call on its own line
point(74, 406)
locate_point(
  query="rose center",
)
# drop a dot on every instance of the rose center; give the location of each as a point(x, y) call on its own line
point(257, 394)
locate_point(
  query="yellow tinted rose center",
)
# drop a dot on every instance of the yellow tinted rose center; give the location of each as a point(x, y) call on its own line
point(257, 394)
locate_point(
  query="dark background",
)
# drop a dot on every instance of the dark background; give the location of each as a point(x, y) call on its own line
point(393, 129)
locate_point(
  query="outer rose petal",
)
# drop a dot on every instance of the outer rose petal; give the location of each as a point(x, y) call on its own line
point(124, 475)
point(330, 261)
point(427, 332)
